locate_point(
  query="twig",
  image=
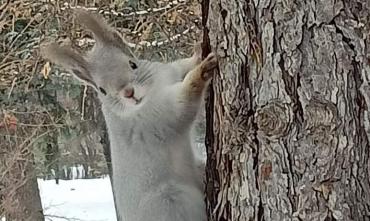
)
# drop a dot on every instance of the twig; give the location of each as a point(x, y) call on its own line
point(11, 89)
point(67, 218)
point(115, 13)
point(83, 102)
point(16, 38)
point(144, 43)
point(3, 9)
point(49, 217)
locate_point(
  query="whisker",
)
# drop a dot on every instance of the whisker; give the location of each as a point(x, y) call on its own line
point(143, 77)
point(115, 103)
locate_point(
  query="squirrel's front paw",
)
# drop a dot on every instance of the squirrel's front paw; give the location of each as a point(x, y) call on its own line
point(208, 65)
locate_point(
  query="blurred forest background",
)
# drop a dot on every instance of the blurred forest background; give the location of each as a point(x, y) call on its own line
point(51, 126)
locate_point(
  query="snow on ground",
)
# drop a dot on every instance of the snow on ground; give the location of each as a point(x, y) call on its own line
point(77, 200)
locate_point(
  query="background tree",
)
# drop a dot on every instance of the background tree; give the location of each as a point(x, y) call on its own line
point(288, 121)
point(19, 193)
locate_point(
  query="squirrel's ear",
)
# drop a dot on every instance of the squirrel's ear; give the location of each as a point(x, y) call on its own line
point(68, 59)
point(103, 33)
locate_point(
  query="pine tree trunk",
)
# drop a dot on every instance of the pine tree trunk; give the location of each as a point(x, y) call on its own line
point(287, 113)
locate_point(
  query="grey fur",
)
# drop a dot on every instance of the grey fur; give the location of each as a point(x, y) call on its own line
point(155, 174)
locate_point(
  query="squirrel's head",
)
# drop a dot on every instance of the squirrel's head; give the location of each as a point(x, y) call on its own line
point(110, 67)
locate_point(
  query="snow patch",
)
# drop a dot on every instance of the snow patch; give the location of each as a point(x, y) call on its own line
point(82, 200)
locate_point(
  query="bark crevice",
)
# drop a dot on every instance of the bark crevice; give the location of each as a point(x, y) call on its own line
point(297, 73)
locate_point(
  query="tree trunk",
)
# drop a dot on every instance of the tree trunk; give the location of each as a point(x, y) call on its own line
point(287, 119)
point(19, 192)
point(27, 198)
point(20, 199)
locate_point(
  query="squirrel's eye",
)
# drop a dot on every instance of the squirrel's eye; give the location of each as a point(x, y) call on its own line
point(102, 91)
point(132, 65)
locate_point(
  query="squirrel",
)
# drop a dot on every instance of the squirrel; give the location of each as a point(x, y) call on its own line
point(149, 108)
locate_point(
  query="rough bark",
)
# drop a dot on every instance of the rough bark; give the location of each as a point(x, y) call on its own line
point(19, 193)
point(27, 200)
point(287, 114)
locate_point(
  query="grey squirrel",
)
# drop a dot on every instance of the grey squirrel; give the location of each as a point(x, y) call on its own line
point(149, 108)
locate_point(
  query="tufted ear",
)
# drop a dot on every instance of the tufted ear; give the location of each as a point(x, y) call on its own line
point(103, 33)
point(68, 59)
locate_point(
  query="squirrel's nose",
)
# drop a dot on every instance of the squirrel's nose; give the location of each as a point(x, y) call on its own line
point(128, 92)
